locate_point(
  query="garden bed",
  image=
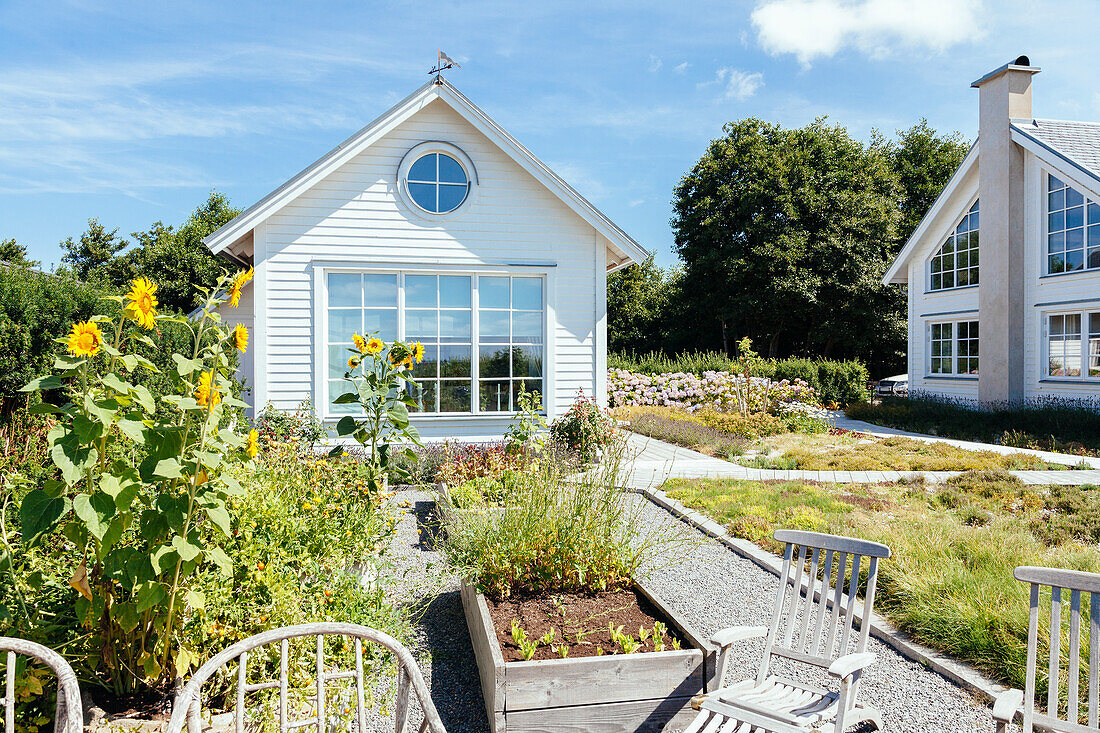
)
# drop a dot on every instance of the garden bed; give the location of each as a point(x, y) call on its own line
point(611, 692)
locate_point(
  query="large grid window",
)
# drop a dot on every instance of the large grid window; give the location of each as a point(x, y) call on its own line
point(955, 264)
point(1073, 229)
point(482, 335)
point(510, 342)
point(953, 348)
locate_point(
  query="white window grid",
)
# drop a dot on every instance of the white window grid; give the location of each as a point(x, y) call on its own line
point(955, 264)
point(953, 348)
point(1069, 346)
point(1073, 229)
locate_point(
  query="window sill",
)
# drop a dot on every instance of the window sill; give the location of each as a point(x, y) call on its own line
point(1070, 380)
point(953, 377)
point(434, 416)
point(1092, 271)
point(929, 291)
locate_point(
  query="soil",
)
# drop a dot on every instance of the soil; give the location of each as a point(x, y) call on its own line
point(155, 704)
point(579, 621)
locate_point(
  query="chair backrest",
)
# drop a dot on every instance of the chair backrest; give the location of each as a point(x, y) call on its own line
point(189, 701)
point(69, 714)
point(1077, 583)
point(816, 628)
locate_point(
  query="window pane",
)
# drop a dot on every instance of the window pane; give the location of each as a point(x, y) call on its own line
point(527, 293)
point(454, 396)
point(1056, 263)
point(381, 323)
point(1056, 242)
point(492, 292)
point(527, 328)
point(429, 392)
point(380, 290)
point(526, 361)
point(454, 291)
point(493, 361)
point(495, 396)
point(423, 169)
point(424, 195)
point(1056, 200)
point(343, 323)
point(1075, 260)
point(1075, 217)
point(345, 290)
point(1073, 324)
point(420, 291)
point(1057, 324)
point(1053, 183)
point(451, 197)
point(454, 326)
point(493, 325)
point(421, 325)
point(1094, 257)
point(454, 361)
point(531, 385)
point(450, 171)
point(1056, 221)
point(337, 387)
point(1074, 197)
point(337, 361)
point(1075, 239)
point(949, 279)
point(429, 365)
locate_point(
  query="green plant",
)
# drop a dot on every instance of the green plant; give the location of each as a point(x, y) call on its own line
point(525, 432)
point(383, 389)
point(562, 650)
point(627, 643)
point(586, 428)
point(140, 492)
point(527, 646)
point(300, 426)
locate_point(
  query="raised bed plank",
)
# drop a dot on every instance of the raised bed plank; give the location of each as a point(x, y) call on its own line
point(619, 717)
point(490, 662)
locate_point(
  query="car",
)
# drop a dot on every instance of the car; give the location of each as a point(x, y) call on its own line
point(896, 386)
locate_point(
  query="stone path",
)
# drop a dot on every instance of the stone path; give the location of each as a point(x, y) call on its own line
point(655, 461)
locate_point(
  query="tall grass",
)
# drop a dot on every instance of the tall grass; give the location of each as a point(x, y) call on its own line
point(1071, 426)
point(840, 382)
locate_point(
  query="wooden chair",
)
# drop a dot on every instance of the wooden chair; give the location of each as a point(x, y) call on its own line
point(1013, 702)
point(189, 701)
point(814, 627)
point(69, 714)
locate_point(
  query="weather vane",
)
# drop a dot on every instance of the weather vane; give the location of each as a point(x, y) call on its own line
point(443, 63)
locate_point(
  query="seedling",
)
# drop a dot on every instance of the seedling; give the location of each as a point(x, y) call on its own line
point(562, 650)
point(527, 647)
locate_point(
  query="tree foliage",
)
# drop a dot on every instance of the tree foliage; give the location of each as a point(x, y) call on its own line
point(923, 162)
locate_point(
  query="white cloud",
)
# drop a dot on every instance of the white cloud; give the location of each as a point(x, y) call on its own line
point(681, 68)
point(812, 29)
point(655, 64)
point(635, 203)
point(736, 84)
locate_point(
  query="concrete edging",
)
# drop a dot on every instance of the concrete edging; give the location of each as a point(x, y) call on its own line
point(960, 673)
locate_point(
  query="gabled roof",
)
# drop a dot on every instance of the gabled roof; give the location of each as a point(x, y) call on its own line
point(436, 88)
point(1075, 143)
point(897, 273)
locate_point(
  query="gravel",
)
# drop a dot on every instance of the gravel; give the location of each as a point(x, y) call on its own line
point(710, 585)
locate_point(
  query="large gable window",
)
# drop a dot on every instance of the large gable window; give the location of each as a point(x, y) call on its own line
point(955, 264)
point(1073, 229)
point(483, 335)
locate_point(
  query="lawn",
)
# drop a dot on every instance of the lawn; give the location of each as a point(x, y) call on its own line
point(949, 582)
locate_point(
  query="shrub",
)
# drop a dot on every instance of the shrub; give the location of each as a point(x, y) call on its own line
point(687, 431)
point(586, 428)
point(281, 426)
point(719, 390)
point(752, 425)
point(1070, 513)
point(974, 516)
point(467, 462)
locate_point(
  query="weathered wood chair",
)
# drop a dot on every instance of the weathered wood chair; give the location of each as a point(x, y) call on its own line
point(1013, 702)
point(187, 707)
point(69, 713)
point(814, 628)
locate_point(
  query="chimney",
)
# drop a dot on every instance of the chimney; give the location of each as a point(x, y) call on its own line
point(1003, 95)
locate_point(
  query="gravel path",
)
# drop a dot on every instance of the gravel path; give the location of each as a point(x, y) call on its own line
point(710, 585)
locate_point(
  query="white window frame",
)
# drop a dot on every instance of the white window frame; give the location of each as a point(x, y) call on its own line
point(1088, 222)
point(1087, 332)
point(955, 343)
point(321, 401)
point(952, 236)
point(416, 153)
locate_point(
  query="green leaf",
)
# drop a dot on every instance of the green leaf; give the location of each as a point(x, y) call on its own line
point(102, 410)
point(347, 398)
point(185, 366)
point(160, 443)
point(148, 594)
point(118, 525)
point(219, 515)
point(399, 414)
point(187, 550)
point(40, 408)
point(67, 362)
point(163, 558)
point(168, 468)
point(70, 455)
point(86, 430)
point(95, 511)
point(40, 513)
point(134, 429)
point(144, 397)
point(48, 381)
point(222, 560)
point(336, 452)
point(196, 599)
point(346, 426)
point(117, 383)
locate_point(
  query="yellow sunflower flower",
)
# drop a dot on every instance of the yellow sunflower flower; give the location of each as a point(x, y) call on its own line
point(418, 352)
point(207, 393)
point(253, 446)
point(142, 302)
point(241, 279)
point(375, 346)
point(353, 361)
point(85, 339)
point(359, 341)
point(240, 338)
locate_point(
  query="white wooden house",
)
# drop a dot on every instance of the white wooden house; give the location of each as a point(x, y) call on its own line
point(1003, 273)
point(430, 224)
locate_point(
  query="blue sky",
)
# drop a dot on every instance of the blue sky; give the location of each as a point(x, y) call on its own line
point(132, 112)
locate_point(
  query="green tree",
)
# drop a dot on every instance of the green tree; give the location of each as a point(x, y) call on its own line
point(14, 253)
point(923, 161)
point(784, 234)
point(95, 257)
point(637, 300)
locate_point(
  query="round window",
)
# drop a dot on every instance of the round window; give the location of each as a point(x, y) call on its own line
point(437, 183)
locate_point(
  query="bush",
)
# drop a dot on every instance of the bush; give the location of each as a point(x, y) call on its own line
point(752, 425)
point(840, 382)
point(281, 426)
point(688, 431)
point(586, 428)
point(1070, 513)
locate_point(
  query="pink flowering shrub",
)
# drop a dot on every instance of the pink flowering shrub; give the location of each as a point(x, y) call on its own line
point(713, 389)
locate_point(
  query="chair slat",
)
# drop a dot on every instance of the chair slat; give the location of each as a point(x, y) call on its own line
point(822, 602)
point(9, 696)
point(242, 674)
point(401, 711)
point(320, 684)
point(1055, 650)
point(360, 693)
point(850, 611)
point(1074, 655)
point(1094, 659)
point(838, 590)
point(796, 590)
point(868, 598)
point(1032, 658)
point(808, 605)
point(777, 611)
point(284, 684)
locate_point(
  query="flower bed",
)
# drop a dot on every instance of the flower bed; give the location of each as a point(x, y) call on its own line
point(720, 390)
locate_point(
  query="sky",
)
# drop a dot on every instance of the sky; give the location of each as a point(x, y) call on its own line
point(133, 112)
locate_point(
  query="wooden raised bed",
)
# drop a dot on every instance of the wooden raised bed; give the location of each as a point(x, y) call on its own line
point(604, 694)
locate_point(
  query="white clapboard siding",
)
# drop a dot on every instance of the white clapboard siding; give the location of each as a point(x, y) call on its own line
point(355, 215)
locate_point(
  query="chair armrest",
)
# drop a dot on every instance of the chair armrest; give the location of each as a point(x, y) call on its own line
point(1006, 705)
point(725, 637)
point(848, 664)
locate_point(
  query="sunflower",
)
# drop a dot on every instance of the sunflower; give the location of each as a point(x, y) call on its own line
point(207, 393)
point(85, 339)
point(359, 341)
point(375, 346)
point(418, 352)
point(240, 338)
point(253, 446)
point(142, 302)
point(353, 361)
point(241, 279)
